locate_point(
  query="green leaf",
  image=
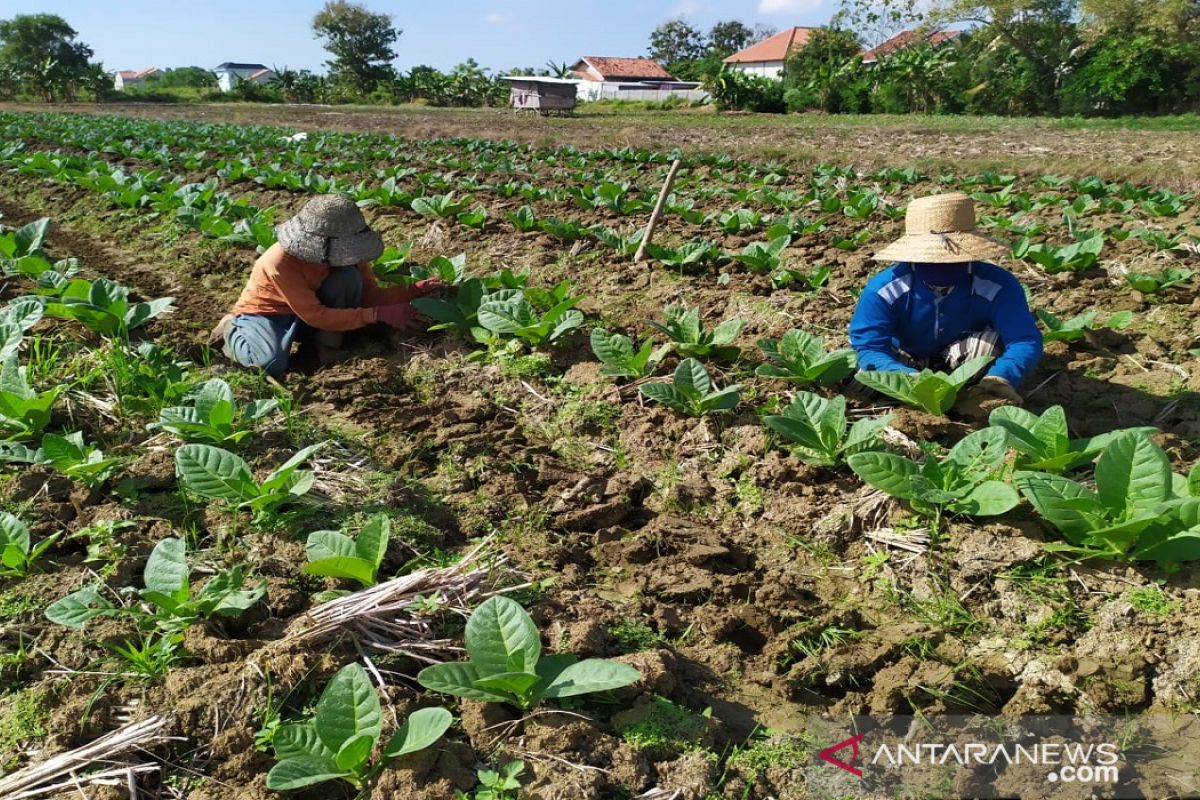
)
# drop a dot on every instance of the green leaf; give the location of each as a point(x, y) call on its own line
point(421, 730)
point(167, 570)
point(296, 773)
point(988, 499)
point(501, 637)
point(348, 707)
point(1067, 505)
point(514, 683)
point(457, 678)
point(343, 567)
point(355, 752)
point(77, 608)
point(887, 472)
point(1133, 474)
point(299, 739)
point(372, 541)
point(591, 675)
point(215, 473)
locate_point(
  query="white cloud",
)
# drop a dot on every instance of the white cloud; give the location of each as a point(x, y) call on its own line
point(787, 6)
point(496, 18)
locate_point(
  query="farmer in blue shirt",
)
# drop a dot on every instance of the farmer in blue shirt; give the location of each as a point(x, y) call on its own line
point(942, 303)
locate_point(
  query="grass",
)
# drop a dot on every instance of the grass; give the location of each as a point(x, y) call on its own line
point(635, 635)
point(22, 720)
point(1150, 600)
point(666, 728)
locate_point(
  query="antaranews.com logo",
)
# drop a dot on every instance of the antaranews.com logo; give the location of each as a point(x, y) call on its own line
point(1030, 757)
point(1065, 762)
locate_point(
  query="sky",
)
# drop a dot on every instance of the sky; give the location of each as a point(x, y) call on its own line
point(499, 34)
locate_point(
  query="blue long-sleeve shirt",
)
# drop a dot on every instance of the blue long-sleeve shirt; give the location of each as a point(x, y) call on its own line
point(899, 312)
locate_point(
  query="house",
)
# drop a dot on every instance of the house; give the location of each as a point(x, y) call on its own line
point(767, 58)
point(544, 95)
point(129, 79)
point(905, 39)
point(231, 73)
point(603, 78)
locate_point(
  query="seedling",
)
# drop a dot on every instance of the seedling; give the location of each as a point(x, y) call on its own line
point(213, 415)
point(502, 785)
point(524, 219)
point(689, 340)
point(1077, 257)
point(337, 742)
point(17, 551)
point(620, 359)
point(23, 411)
point(1059, 330)
point(506, 663)
point(817, 429)
point(217, 474)
point(459, 314)
point(168, 592)
point(1139, 510)
point(813, 280)
point(964, 482)
point(762, 258)
point(446, 206)
point(1148, 283)
point(104, 307)
point(67, 454)
point(451, 270)
point(1044, 443)
point(800, 359)
point(739, 220)
point(515, 317)
point(934, 392)
point(332, 554)
point(691, 391)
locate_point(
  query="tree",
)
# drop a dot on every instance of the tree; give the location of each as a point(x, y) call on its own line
point(676, 40)
point(360, 41)
point(42, 54)
point(1177, 19)
point(186, 78)
point(727, 38)
point(876, 21)
point(826, 72)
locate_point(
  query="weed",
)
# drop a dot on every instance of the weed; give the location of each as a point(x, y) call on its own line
point(635, 635)
point(666, 728)
point(22, 721)
point(1151, 600)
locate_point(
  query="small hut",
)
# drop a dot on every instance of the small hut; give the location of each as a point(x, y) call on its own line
point(543, 95)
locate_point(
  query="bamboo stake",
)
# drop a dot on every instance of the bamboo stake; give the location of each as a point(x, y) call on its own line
point(658, 207)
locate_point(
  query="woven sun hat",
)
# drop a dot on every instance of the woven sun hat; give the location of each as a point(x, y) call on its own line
point(330, 229)
point(941, 230)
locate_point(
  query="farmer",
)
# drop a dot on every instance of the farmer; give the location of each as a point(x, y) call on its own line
point(943, 304)
point(314, 282)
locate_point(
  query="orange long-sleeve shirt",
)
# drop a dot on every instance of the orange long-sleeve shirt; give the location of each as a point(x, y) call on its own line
point(282, 284)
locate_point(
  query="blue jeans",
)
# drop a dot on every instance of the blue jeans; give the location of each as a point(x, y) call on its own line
point(265, 340)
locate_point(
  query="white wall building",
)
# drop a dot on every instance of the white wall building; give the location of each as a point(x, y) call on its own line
point(231, 73)
point(129, 79)
point(602, 78)
point(767, 58)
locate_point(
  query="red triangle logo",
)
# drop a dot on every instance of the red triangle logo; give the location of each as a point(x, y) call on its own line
point(828, 755)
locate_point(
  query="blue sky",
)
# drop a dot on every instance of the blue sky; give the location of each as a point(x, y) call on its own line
point(500, 34)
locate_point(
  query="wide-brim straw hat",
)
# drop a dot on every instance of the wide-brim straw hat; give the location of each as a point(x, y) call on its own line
point(330, 229)
point(941, 230)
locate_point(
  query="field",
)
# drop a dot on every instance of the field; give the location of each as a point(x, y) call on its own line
point(751, 576)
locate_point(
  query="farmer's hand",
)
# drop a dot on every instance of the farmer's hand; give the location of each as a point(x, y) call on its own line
point(428, 286)
point(979, 401)
point(400, 316)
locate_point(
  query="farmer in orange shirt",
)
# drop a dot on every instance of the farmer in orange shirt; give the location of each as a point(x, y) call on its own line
point(316, 280)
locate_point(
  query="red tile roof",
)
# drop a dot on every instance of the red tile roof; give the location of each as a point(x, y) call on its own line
point(129, 74)
point(905, 39)
point(621, 68)
point(777, 48)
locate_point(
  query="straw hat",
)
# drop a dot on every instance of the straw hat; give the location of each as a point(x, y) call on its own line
point(941, 230)
point(330, 229)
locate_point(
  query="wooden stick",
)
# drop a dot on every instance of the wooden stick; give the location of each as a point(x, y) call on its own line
point(658, 207)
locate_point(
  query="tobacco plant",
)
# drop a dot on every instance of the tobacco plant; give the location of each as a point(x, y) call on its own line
point(619, 357)
point(1043, 443)
point(506, 664)
point(18, 553)
point(214, 415)
point(105, 307)
point(817, 430)
point(333, 554)
point(690, 340)
point(965, 481)
point(1139, 510)
point(691, 391)
point(1071, 330)
point(173, 605)
point(512, 316)
point(934, 392)
point(217, 474)
point(336, 743)
point(1149, 283)
point(763, 257)
point(1077, 257)
point(800, 359)
point(458, 313)
point(24, 412)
